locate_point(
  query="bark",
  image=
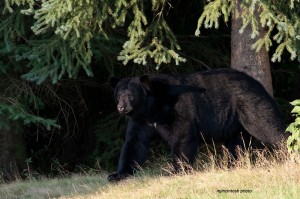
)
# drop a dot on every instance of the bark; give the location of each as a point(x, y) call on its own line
point(243, 58)
point(12, 144)
point(12, 151)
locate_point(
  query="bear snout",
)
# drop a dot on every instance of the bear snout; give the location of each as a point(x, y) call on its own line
point(120, 108)
point(124, 108)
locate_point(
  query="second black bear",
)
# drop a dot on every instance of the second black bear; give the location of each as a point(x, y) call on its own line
point(215, 105)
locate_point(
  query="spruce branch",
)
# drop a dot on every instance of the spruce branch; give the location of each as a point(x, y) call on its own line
point(273, 15)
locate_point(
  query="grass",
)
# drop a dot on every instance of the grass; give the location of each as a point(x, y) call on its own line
point(271, 176)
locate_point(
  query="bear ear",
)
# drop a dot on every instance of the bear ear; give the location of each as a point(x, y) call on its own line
point(114, 81)
point(146, 81)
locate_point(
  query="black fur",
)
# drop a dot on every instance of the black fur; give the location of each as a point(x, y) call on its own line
point(215, 105)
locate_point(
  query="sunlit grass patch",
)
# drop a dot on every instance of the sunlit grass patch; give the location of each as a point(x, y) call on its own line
point(255, 174)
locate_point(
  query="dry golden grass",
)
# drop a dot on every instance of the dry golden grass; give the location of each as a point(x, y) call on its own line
point(271, 175)
point(281, 181)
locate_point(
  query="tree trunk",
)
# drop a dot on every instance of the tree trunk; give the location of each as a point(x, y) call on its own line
point(243, 58)
point(12, 144)
point(12, 151)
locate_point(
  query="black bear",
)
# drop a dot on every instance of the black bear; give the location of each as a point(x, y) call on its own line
point(215, 105)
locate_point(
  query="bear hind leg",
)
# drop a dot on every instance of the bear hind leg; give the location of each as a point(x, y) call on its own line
point(240, 142)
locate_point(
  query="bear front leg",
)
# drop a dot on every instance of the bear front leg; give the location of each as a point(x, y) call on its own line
point(134, 151)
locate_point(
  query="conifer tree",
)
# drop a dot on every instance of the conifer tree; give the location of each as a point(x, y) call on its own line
point(64, 31)
point(51, 39)
point(281, 17)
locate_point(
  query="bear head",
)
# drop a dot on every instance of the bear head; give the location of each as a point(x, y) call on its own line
point(133, 96)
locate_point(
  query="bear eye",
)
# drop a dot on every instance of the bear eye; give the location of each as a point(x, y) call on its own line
point(130, 97)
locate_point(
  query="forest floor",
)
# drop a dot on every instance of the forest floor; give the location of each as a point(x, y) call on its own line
point(275, 177)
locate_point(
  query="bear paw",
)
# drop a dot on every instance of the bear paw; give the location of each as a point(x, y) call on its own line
point(116, 177)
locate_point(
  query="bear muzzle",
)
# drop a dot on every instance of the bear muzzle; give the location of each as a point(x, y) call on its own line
point(123, 109)
point(120, 108)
